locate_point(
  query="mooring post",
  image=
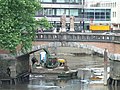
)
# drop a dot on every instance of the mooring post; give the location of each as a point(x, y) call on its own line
point(105, 66)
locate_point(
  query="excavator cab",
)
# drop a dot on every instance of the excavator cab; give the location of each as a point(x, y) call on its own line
point(49, 61)
point(52, 62)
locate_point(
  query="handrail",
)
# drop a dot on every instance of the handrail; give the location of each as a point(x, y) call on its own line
point(76, 37)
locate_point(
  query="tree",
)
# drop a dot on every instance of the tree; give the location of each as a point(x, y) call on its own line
point(44, 24)
point(17, 23)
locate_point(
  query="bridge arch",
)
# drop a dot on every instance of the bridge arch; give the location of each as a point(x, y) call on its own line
point(93, 46)
point(110, 42)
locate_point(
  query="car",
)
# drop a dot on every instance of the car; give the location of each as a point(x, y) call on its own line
point(108, 33)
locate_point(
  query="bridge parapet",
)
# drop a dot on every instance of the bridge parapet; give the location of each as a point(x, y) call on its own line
point(66, 39)
point(117, 38)
point(76, 37)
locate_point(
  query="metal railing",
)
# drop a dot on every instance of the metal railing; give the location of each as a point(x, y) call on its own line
point(76, 37)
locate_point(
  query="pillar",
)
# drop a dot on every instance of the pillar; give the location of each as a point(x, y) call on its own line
point(63, 23)
point(72, 19)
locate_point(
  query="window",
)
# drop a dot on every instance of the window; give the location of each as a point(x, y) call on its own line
point(74, 12)
point(107, 13)
point(91, 10)
point(102, 13)
point(79, 1)
point(107, 18)
point(49, 12)
point(67, 1)
point(91, 16)
point(97, 17)
point(60, 12)
point(115, 14)
point(46, 0)
point(72, 1)
point(67, 12)
point(97, 13)
point(97, 10)
point(102, 17)
point(91, 13)
point(60, 1)
point(115, 4)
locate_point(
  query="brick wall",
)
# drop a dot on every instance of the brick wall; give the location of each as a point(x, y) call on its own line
point(3, 51)
point(113, 48)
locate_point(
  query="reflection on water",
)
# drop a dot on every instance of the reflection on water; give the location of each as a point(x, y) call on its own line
point(39, 84)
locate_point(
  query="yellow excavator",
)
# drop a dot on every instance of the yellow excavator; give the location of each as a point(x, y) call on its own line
point(51, 61)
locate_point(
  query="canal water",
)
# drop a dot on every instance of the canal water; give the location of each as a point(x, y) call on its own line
point(59, 85)
point(74, 62)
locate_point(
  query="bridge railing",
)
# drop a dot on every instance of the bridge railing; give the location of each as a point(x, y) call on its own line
point(76, 37)
point(117, 39)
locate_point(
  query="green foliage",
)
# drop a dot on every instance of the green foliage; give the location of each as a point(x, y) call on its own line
point(17, 17)
point(44, 24)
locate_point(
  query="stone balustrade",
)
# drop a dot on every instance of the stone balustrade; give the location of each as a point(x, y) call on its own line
point(77, 37)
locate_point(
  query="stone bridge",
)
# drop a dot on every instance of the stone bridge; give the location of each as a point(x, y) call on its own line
point(93, 41)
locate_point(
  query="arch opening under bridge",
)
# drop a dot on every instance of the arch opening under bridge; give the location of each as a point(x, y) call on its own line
point(94, 48)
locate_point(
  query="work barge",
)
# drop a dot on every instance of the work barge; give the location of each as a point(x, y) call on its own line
point(56, 73)
point(14, 70)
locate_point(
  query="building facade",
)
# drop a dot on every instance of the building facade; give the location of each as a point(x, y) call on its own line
point(54, 9)
point(114, 13)
point(84, 13)
point(94, 14)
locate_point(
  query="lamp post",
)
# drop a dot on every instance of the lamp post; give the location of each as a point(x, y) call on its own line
point(55, 27)
point(80, 26)
point(83, 15)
